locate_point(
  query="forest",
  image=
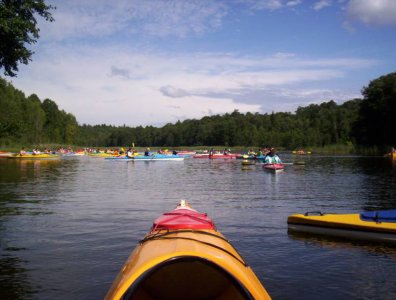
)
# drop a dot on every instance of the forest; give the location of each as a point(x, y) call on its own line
point(362, 123)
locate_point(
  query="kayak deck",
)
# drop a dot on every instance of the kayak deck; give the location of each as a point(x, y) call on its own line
point(186, 264)
point(193, 263)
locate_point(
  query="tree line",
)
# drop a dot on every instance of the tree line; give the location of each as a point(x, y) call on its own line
point(367, 122)
point(30, 121)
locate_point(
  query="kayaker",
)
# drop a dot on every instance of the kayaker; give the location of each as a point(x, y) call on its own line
point(22, 152)
point(129, 153)
point(272, 157)
point(147, 152)
point(251, 152)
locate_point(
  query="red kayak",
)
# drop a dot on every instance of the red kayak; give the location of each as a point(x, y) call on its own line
point(201, 155)
point(224, 156)
point(275, 168)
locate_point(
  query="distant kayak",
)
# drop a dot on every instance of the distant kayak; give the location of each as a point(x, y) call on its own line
point(301, 152)
point(185, 257)
point(158, 157)
point(378, 226)
point(247, 162)
point(102, 154)
point(274, 168)
point(224, 156)
point(34, 156)
point(201, 155)
point(391, 155)
point(119, 158)
point(5, 154)
point(186, 153)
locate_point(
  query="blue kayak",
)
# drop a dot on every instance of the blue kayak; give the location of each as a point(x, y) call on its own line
point(245, 156)
point(158, 157)
point(119, 158)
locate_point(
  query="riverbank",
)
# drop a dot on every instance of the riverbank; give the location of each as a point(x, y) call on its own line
point(327, 150)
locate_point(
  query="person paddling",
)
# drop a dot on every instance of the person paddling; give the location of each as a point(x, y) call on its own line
point(272, 157)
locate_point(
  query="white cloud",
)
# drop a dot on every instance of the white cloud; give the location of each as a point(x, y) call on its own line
point(116, 85)
point(376, 12)
point(266, 4)
point(102, 18)
point(321, 4)
point(269, 4)
point(293, 3)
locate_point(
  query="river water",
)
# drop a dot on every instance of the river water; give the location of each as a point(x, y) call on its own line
point(67, 226)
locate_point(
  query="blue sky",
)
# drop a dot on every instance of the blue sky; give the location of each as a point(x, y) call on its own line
point(152, 62)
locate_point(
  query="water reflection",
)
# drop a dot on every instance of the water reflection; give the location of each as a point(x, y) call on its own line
point(14, 279)
point(27, 188)
point(24, 169)
point(323, 241)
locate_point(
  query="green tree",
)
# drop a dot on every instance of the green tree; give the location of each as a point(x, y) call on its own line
point(34, 119)
point(70, 129)
point(18, 28)
point(376, 122)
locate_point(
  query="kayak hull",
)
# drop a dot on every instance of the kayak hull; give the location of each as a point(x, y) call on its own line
point(273, 168)
point(35, 156)
point(216, 156)
point(248, 162)
point(158, 157)
point(101, 155)
point(349, 226)
point(119, 158)
point(192, 263)
point(223, 156)
point(5, 154)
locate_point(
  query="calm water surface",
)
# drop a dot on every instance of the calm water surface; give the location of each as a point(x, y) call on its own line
point(67, 226)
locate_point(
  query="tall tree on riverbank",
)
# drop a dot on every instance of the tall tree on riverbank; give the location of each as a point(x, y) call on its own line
point(28, 121)
point(18, 28)
point(377, 122)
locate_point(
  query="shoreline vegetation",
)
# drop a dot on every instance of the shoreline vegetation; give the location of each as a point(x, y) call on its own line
point(327, 150)
point(332, 150)
point(358, 126)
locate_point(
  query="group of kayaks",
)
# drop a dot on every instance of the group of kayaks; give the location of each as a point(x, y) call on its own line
point(43, 156)
point(174, 157)
point(274, 168)
point(184, 256)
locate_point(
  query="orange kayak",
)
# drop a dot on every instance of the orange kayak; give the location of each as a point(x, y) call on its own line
point(185, 257)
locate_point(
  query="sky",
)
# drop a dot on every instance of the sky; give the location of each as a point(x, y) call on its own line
point(153, 62)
